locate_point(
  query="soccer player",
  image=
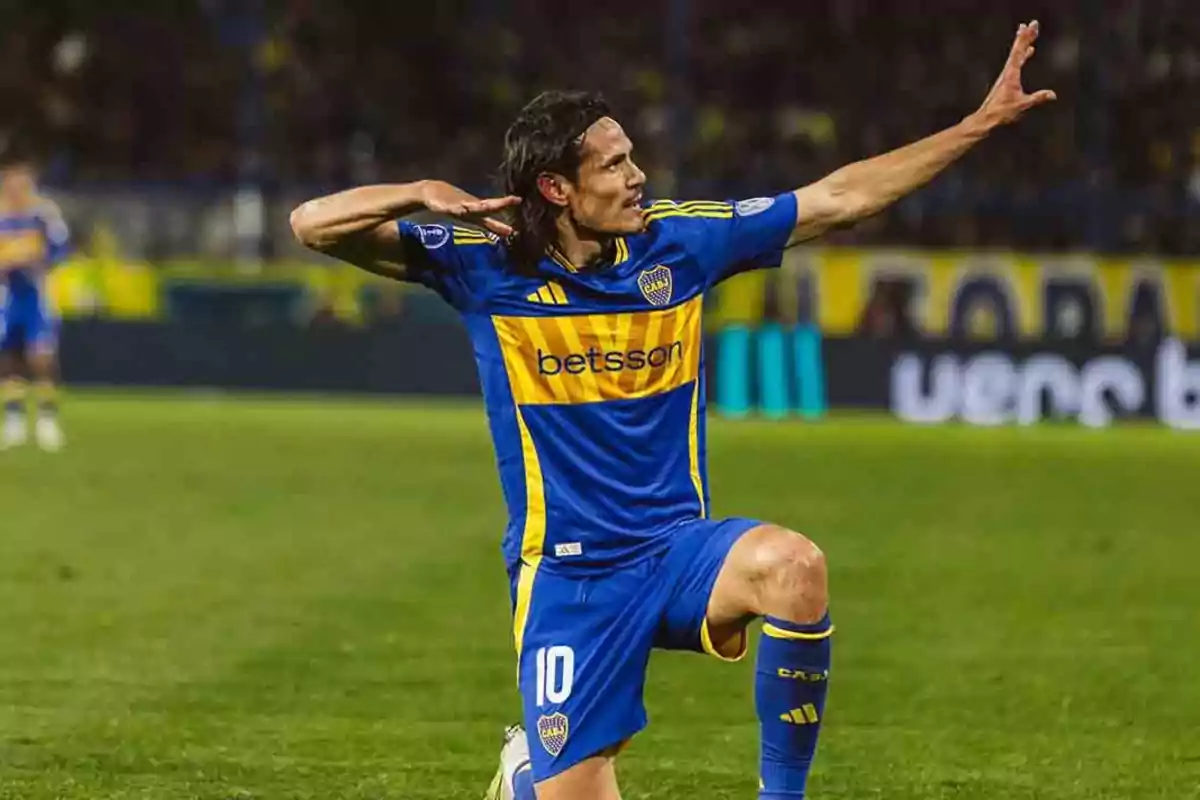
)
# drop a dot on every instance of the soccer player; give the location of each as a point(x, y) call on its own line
point(33, 238)
point(584, 314)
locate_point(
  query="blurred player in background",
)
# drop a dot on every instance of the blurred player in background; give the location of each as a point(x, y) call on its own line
point(585, 318)
point(33, 238)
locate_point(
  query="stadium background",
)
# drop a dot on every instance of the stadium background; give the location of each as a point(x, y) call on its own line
point(299, 594)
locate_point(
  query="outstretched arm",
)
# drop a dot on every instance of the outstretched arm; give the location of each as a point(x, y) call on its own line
point(358, 225)
point(865, 188)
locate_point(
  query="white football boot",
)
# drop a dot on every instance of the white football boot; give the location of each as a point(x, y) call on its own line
point(14, 433)
point(514, 757)
point(49, 435)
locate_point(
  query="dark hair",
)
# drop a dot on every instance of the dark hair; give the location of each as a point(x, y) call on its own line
point(545, 137)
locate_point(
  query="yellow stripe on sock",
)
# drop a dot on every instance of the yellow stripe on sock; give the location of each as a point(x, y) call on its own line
point(779, 633)
point(45, 392)
point(14, 390)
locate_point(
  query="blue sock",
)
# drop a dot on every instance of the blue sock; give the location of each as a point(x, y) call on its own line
point(13, 392)
point(792, 676)
point(523, 784)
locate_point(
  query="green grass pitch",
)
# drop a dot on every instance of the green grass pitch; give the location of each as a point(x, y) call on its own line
point(266, 598)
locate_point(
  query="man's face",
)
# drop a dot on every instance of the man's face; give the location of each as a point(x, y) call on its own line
point(607, 196)
point(17, 185)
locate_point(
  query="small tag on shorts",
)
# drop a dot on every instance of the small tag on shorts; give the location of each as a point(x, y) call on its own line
point(568, 549)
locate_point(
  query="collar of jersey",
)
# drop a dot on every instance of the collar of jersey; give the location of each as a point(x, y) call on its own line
point(619, 256)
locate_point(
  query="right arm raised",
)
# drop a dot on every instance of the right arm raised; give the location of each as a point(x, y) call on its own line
point(358, 225)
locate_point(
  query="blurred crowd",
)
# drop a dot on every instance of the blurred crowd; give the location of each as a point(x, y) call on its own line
point(721, 99)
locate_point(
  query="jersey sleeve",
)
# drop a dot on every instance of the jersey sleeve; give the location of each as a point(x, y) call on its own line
point(726, 238)
point(447, 259)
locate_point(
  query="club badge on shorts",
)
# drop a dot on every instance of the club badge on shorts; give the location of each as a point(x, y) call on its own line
point(552, 730)
point(655, 284)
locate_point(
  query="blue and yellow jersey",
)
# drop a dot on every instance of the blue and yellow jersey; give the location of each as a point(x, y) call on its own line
point(31, 243)
point(593, 379)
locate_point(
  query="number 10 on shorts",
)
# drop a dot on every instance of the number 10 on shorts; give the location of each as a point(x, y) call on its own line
point(555, 674)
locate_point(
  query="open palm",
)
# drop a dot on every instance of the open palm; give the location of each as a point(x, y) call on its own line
point(443, 198)
point(1008, 100)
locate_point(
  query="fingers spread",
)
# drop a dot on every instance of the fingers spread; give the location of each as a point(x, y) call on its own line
point(1017, 44)
point(1027, 34)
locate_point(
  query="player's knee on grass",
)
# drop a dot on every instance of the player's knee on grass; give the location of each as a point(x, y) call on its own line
point(789, 576)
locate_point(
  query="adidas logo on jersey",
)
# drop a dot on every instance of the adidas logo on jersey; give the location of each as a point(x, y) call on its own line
point(551, 294)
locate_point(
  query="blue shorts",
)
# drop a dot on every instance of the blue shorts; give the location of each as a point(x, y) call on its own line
point(27, 324)
point(586, 642)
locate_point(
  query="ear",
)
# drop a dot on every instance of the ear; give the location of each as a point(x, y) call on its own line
point(553, 187)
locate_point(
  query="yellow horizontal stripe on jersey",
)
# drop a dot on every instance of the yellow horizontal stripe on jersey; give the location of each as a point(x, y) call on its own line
point(588, 379)
point(19, 247)
point(595, 357)
point(653, 332)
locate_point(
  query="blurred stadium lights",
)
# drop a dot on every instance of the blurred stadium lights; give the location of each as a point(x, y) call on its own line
point(179, 159)
point(288, 99)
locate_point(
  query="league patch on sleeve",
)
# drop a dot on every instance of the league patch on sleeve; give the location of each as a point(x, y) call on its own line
point(755, 205)
point(432, 236)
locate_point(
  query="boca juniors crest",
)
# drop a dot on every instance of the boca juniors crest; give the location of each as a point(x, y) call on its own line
point(552, 730)
point(655, 284)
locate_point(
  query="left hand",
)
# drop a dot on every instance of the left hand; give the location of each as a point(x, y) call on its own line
point(1007, 101)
